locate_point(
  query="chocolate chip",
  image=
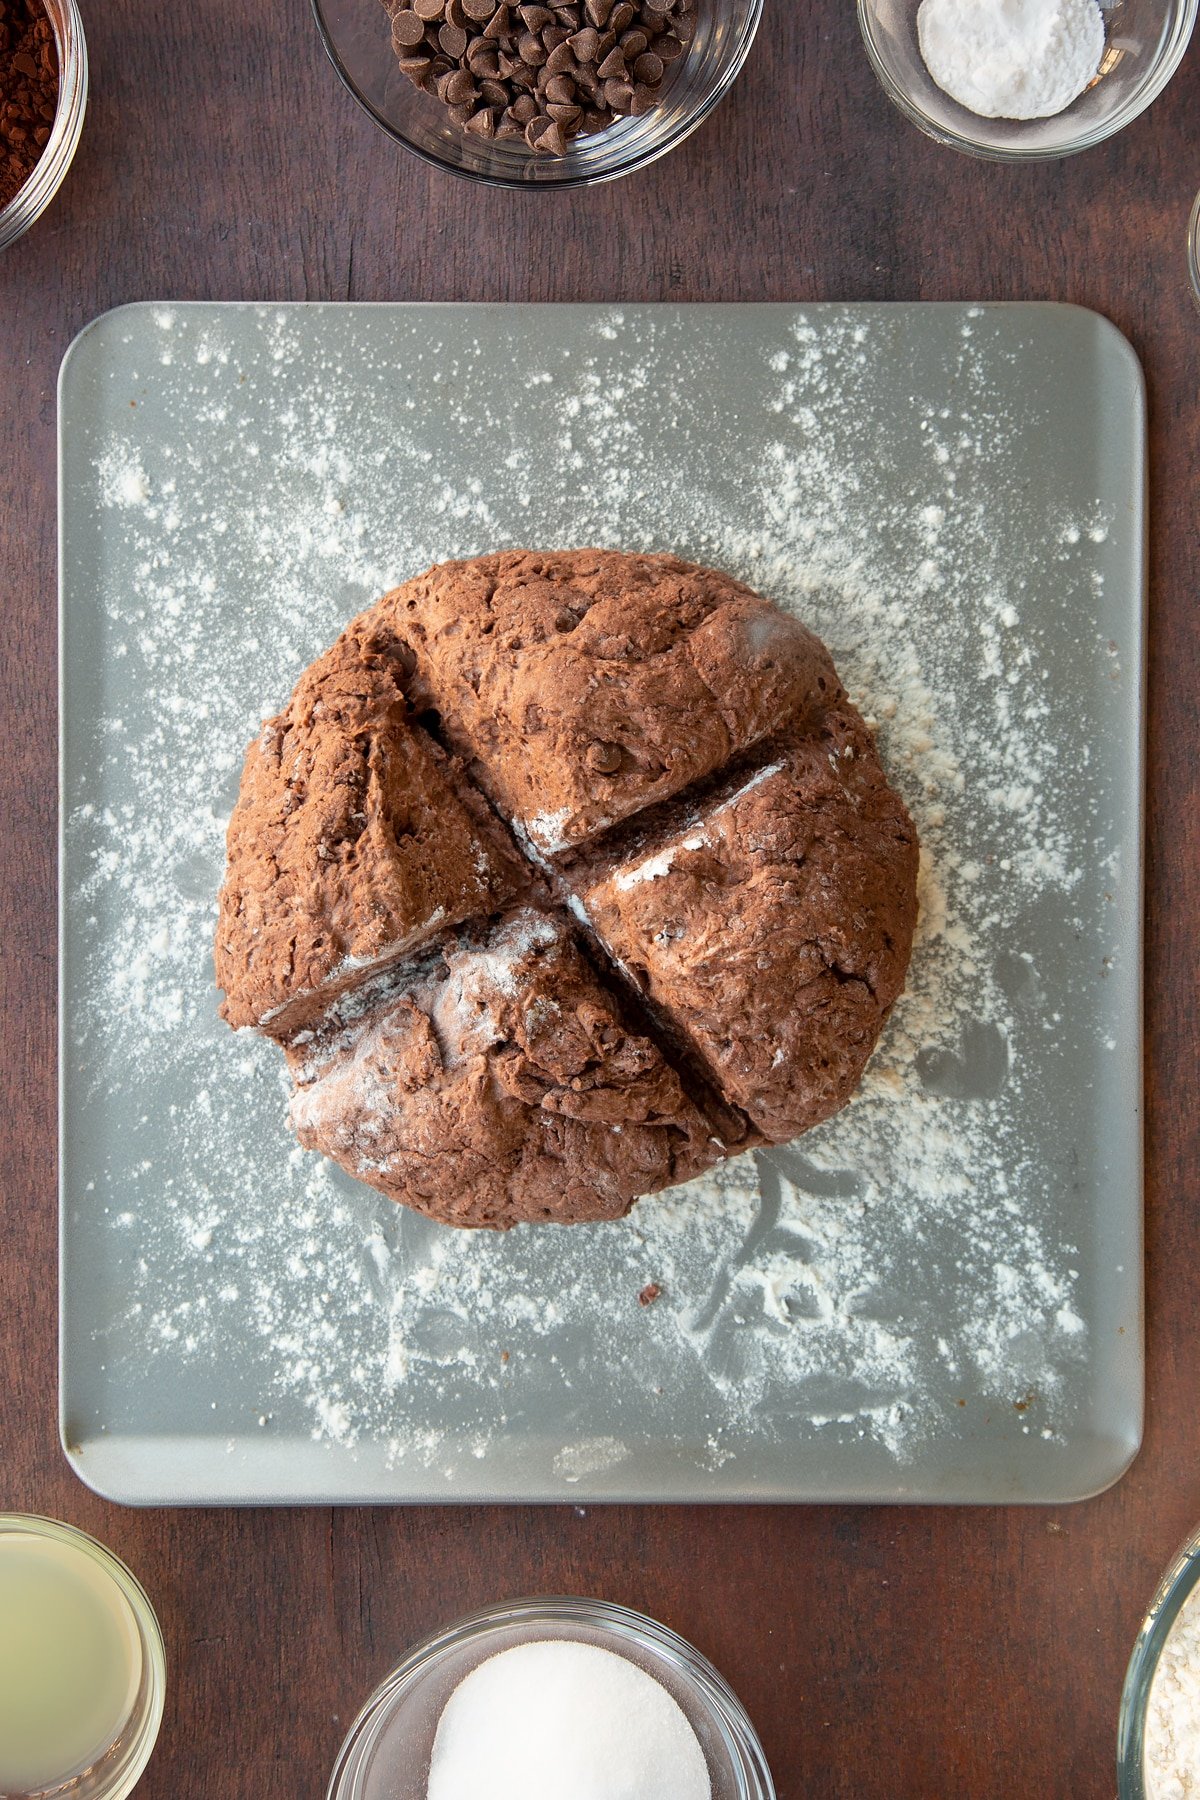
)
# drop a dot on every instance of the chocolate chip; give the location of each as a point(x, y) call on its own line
point(585, 44)
point(621, 17)
point(633, 42)
point(483, 123)
point(560, 91)
point(532, 50)
point(648, 69)
point(501, 24)
point(560, 60)
point(598, 11)
point(453, 40)
point(408, 28)
point(649, 1294)
point(606, 759)
point(429, 9)
point(536, 18)
point(416, 68)
point(613, 66)
point(479, 11)
point(619, 96)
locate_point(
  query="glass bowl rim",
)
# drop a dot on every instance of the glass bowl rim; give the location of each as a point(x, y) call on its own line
point(736, 1730)
point(1179, 1580)
point(1193, 249)
point(132, 1765)
point(50, 171)
point(1181, 20)
point(641, 158)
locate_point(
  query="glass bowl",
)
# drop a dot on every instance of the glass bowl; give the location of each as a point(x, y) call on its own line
point(114, 1773)
point(1172, 1592)
point(1194, 250)
point(31, 201)
point(386, 1755)
point(358, 39)
point(1144, 41)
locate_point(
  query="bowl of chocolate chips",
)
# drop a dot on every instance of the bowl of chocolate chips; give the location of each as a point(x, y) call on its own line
point(548, 95)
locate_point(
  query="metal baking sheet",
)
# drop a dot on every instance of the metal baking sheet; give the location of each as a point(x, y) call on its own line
point(935, 1297)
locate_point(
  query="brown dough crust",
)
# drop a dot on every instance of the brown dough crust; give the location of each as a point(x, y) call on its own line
point(499, 1084)
point(582, 686)
point(770, 927)
point(504, 742)
point(353, 842)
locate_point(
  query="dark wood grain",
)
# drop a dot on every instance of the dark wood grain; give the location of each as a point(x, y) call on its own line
point(886, 1655)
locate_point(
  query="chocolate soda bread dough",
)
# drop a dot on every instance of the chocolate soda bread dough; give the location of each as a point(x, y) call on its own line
point(497, 1084)
point(353, 842)
point(680, 770)
point(581, 686)
point(769, 926)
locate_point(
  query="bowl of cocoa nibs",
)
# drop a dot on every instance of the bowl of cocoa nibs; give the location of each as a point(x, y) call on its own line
point(538, 95)
point(43, 93)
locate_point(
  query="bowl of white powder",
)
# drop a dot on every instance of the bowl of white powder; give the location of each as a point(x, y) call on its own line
point(1018, 80)
point(553, 1699)
point(1158, 1735)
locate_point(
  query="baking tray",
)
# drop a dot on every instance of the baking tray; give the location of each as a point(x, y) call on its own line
point(937, 1296)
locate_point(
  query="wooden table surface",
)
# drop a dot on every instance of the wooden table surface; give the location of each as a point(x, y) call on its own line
point(898, 1654)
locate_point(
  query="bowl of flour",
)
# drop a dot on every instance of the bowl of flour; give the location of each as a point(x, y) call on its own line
point(1158, 1735)
point(1019, 80)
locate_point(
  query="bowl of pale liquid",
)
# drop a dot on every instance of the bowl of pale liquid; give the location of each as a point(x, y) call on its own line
point(82, 1669)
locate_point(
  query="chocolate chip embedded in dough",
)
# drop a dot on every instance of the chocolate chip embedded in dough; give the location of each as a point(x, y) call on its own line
point(606, 759)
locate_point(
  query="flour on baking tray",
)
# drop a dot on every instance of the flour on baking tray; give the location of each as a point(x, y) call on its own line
point(785, 1278)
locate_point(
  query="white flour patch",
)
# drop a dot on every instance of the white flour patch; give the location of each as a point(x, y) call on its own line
point(860, 1287)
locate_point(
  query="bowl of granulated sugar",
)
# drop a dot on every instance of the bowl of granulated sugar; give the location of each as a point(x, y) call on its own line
point(1158, 1733)
point(1018, 80)
point(553, 1699)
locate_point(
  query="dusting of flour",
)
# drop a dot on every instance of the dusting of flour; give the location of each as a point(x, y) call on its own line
point(862, 1286)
